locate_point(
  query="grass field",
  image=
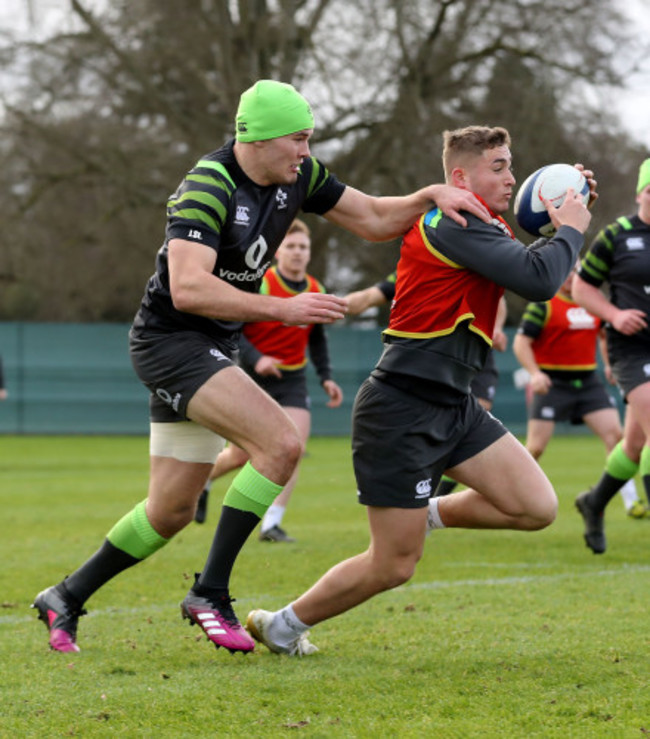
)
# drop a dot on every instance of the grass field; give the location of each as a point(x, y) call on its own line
point(499, 634)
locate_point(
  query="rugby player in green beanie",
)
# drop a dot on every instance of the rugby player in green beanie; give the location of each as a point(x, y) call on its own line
point(225, 222)
point(271, 109)
point(620, 256)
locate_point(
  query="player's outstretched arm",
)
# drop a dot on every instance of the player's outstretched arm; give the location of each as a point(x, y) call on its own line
point(384, 218)
point(361, 300)
point(628, 322)
point(194, 289)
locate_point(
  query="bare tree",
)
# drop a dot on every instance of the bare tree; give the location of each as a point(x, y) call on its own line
point(477, 61)
point(114, 112)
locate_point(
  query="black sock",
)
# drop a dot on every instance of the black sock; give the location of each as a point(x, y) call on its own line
point(604, 490)
point(445, 487)
point(235, 526)
point(107, 562)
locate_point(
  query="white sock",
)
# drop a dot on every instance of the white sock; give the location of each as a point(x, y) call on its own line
point(435, 522)
point(629, 494)
point(286, 626)
point(272, 517)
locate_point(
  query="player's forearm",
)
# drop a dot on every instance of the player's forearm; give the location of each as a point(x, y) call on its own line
point(378, 218)
point(361, 300)
point(523, 351)
point(538, 275)
point(195, 289)
point(533, 274)
point(208, 296)
point(502, 314)
point(395, 215)
point(592, 299)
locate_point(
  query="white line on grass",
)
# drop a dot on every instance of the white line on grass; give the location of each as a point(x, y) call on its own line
point(435, 585)
point(439, 584)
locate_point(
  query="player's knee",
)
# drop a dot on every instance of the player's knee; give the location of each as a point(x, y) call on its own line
point(393, 578)
point(292, 447)
point(396, 572)
point(168, 520)
point(182, 516)
point(542, 513)
point(282, 452)
point(238, 457)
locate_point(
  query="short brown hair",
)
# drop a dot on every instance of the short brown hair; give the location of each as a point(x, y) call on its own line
point(298, 225)
point(470, 141)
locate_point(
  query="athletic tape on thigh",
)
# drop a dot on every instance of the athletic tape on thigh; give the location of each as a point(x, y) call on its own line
point(185, 440)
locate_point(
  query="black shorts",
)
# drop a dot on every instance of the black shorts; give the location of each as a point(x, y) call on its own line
point(484, 385)
point(571, 400)
point(290, 390)
point(630, 365)
point(173, 366)
point(402, 444)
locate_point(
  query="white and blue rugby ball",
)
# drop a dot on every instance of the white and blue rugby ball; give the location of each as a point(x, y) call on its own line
point(550, 182)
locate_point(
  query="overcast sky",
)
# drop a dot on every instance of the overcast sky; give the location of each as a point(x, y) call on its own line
point(633, 102)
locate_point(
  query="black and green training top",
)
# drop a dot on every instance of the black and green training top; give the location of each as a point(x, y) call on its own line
point(620, 256)
point(219, 206)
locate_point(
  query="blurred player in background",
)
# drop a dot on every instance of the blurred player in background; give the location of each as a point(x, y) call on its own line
point(224, 224)
point(415, 416)
point(484, 384)
point(620, 256)
point(556, 344)
point(275, 356)
point(3, 388)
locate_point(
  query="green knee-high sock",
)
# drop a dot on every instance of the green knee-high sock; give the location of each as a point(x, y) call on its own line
point(135, 535)
point(619, 468)
point(251, 491)
point(131, 540)
point(644, 469)
point(246, 501)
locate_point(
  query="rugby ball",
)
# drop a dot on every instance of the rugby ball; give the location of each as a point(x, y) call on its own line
point(550, 182)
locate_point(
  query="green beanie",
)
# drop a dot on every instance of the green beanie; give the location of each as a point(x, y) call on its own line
point(270, 109)
point(644, 176)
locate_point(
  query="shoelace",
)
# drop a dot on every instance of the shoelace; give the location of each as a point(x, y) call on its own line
point(302, 645)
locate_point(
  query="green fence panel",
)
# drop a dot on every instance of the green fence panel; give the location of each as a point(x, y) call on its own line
point(78, 379)
point(70, 379)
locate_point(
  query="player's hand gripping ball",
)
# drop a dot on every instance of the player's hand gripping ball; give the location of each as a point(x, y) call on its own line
point(550, 182)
